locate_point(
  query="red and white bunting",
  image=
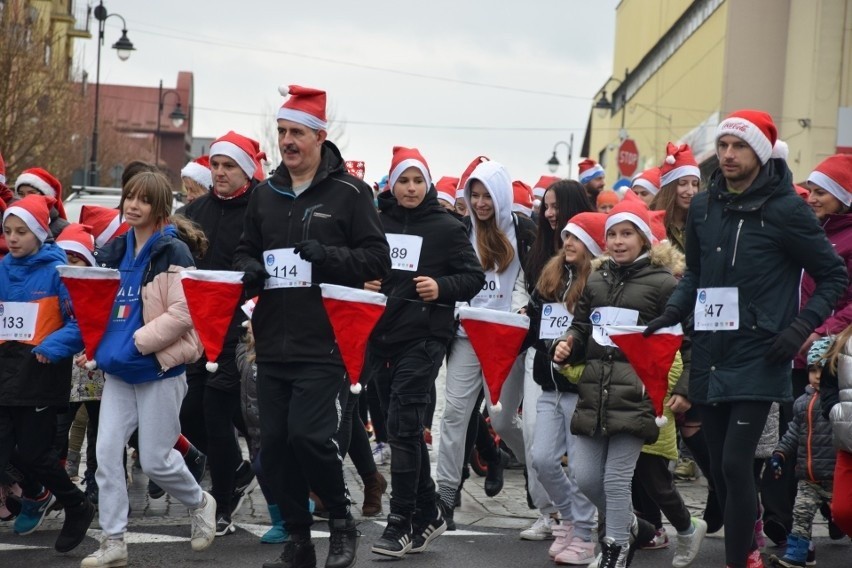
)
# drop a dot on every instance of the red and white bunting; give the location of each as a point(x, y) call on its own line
point(212, 297)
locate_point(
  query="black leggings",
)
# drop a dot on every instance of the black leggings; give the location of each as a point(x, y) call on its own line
point(732, 430)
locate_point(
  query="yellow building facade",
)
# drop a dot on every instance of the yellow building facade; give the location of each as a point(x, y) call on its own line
point(680, 66)
point(60, 22)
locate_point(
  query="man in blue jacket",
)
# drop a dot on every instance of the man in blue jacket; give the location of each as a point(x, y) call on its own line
point(748, 237)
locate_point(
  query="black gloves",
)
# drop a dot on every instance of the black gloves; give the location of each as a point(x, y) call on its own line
point(254, 279)
point(311, 250)
point(788, 342)
point(670, 316)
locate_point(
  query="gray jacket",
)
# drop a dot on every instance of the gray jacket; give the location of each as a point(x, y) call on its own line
point(809, 438)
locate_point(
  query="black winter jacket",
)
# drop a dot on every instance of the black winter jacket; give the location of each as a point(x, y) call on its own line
point(222, 221)
point(446, 256)
point(809, 437)
point(290, 324)
point(757, 241)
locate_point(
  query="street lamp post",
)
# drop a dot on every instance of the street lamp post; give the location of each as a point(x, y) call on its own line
point(553, 163)
point(124, 47)
point(177, 117)
point(604, 105)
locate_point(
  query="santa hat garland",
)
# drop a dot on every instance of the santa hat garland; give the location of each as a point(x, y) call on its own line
point(446, 188)
point(198, 170)
point(496, 338)
point(243, 150)
point(649, 179)
point(106, 223)
point(212, 319)
point(466, 174)
point(542, 184)
point(354, 168)
point(248, 308)
point(77, 239)
point(353, 314)
point(589, 170)
point(635, 211)
point(306, 106)
point(651, 357)
point(589, 228)
point(404, 158)
point(522, 201)
point(92, 291)
point(34, 211)
point(834, 174)
point(754, 127)
point(679, 163)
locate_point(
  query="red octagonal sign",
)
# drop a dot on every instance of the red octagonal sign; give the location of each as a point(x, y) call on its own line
point(628, 157)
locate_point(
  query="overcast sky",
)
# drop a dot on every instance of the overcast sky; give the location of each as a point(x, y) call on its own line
point(455, 79)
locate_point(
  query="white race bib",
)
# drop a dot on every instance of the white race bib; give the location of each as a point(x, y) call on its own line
point(717, 309)
point(286, 269)
point(18, 320)
point(404, 251)
point(491, 288)
point(555, 321)
point(601, 318)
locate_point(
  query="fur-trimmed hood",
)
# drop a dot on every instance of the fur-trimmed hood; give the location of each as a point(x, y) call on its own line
point(663, 254)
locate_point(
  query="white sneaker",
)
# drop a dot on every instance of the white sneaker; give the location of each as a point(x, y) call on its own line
point(542, 529)
point(381, 453)
point(203, 520)
point(689, 545)
point(111, 554)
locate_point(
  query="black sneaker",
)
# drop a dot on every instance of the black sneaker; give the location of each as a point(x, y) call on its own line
point(396, 540)
point(154, 490)
point(426, 532)
point(494, 475)
point(297, 554)
point(447, 513)
point(342, 543)
point(244, 483)
point(196, 462)
point(224, 526)
point(91, 484)
point(77, 521)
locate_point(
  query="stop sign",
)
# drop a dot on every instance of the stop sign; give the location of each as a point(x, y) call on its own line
point(628, 157)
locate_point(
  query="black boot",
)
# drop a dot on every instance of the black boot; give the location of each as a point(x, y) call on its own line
point(342, 543)
point(77, 521)
point(298, 553)
point(196, 462)
point(494, 475)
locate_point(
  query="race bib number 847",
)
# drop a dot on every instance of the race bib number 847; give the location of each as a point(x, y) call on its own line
point(717, 309)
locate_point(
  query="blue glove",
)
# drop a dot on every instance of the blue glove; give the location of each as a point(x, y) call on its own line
point(776, 465)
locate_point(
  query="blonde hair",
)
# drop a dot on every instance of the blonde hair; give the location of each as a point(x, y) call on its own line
point(837, 348)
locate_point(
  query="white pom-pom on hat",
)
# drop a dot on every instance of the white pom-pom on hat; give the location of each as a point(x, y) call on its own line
point(661, 421)
point(780, 150)
point(497, 407)
point(284, 90)
point(91, 365)
point(670, 159)
point(211, 366)
point(356, 388)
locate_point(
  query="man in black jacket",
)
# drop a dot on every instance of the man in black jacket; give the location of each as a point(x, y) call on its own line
point(310, 223)
point(748, 237)
point(213, 399)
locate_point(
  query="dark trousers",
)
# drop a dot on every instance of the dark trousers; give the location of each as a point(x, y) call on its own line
point(378, 417)
point(404, 384)
point(63, 427)
point(300, 407)
point(192, 409)
point(221, 414)
point(732, 430)
point(656, 482)
point(352, 438)
point(27, 434)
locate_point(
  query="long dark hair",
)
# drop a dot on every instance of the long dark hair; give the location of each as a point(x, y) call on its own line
point(571, 198)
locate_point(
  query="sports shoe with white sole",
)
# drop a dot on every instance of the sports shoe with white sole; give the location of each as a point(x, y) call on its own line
point(111, 554)
point(203, 521)
point(541, 529)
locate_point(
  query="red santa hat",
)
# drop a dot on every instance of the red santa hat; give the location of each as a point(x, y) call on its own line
point(801, 191)
point(648, 179)
point(2, 170)
point(589, 170)
point(754, 127)
point(212, 319)
point(353, 314)
point(633, 210)
point(446, 188)
point(589, 227)
point(106, 223)
point(651, 358)
point(679, 163)
point(658, 225)
point(834, 174)
point(466, 174)
point(249, 306)
point(77, 240)
point(496, 338)
point(198, 170)
point(354, 168)
point(305, 106)
point(34, 211)
point(46, 184)
point(522, 199)
point(92, 291)
point(244, 151)
point(404, 158)
point(542, 184)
